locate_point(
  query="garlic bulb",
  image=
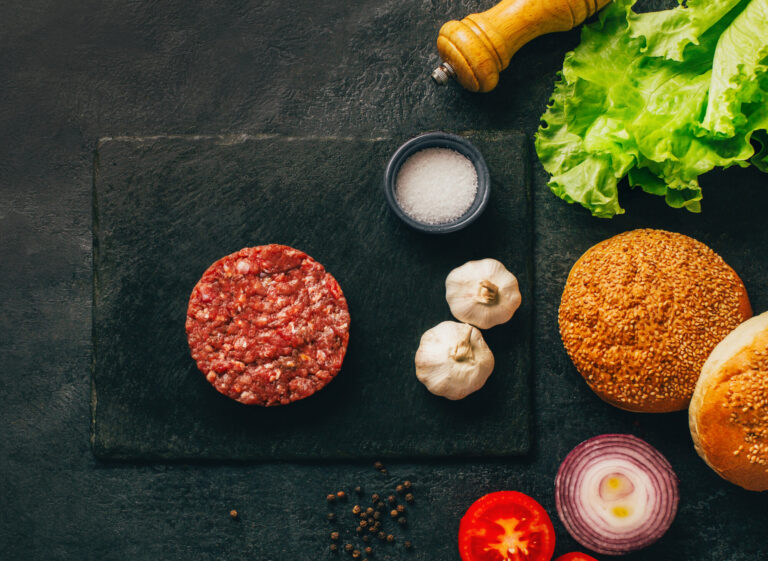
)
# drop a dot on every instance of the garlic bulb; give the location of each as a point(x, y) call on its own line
point(482, 293)
point(453, 360)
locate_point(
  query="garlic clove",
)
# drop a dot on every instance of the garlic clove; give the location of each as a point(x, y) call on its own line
point(453, 360)
point(482, 293)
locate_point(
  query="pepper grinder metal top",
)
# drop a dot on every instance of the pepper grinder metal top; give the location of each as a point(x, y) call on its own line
point(442, 74)
point(475, 49)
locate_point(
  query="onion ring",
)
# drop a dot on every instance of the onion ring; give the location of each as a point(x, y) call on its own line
point(615, 493)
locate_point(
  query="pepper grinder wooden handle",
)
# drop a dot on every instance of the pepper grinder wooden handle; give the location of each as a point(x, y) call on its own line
point(477, 48)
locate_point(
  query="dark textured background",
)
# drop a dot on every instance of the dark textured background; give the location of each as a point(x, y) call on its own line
point(74, 72)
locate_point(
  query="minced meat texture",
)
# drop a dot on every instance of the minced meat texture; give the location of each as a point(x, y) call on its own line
point(268, 325)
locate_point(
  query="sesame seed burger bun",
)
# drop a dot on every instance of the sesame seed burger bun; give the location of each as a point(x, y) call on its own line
point(642, 311)
point(728, 415)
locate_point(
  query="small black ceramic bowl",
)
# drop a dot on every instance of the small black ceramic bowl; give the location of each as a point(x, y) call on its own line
point(439, 139)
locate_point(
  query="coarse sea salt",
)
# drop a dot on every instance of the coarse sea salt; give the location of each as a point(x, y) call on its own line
point(436, 185)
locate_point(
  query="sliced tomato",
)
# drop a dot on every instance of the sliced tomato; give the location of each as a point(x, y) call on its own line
point(576, 556)
point(506, 526)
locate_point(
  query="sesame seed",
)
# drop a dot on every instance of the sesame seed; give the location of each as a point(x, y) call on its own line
point(746, 396)
point(642, 311)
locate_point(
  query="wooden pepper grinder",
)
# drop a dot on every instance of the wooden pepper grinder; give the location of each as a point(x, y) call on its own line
point(477, 48)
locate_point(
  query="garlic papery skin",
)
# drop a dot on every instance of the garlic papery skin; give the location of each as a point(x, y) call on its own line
point(453, 360)
point(482, 293)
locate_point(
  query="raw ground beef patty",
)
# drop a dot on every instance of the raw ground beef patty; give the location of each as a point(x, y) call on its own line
point(268, 325)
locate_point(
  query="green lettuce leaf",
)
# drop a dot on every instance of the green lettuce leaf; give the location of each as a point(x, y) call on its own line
point(739, 71)
point(761, 158)
point(668, 32)
point(625, 106)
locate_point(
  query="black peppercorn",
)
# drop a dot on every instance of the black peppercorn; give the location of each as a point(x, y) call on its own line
point(378, 465)
point(348, 547)
point(356, 509)
point(333, 547)
point(359, 490)
point(366, 538)
point(330, 498)
point(334, 536)
point(341, 495)
point(392, 499)
point(407, 484)
point(368, 550)
point(233, 514)
point(390, 538)
point(400, 489)
point(359, 531)
point(402, 521)
point(369, 511)
point(376, 515)
point(400, 508)
point(356, 554)
point(382, 536)
point(363, 523)
point(377, 524)
point(362, 515)
point(375, 497)
point(380, 505)
point(408, 545)
point(383, 471)
point(409, 498)
point(331, 516)
point(373, 529)
point(393, 513)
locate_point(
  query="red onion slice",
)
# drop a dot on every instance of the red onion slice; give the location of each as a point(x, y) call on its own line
point(615, 493)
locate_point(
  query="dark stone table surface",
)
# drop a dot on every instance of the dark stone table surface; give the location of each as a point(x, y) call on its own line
point(74, 72)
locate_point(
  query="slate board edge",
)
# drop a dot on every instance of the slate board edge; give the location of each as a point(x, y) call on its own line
point(108, 452)
point(96, 447)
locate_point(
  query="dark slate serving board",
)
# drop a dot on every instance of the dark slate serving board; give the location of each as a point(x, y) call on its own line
point(166, 208)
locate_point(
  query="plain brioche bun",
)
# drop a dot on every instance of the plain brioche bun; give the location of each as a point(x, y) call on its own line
point(641, 312)
point(728, 415)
